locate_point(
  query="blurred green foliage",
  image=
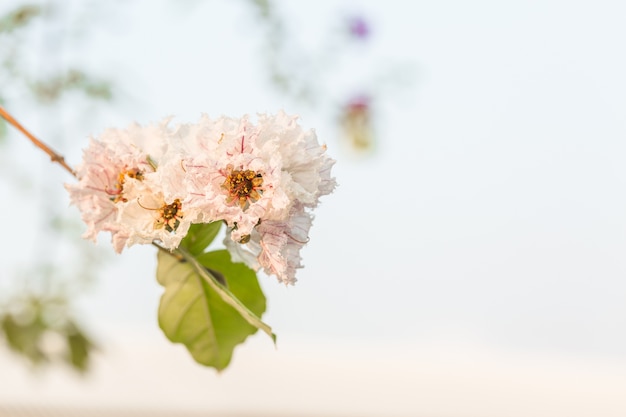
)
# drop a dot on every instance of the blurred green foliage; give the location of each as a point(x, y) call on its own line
point(42, 330)
point(50, 89)
point(290, 80)
point(46, 89)
point(3, 130)
point(19, 17)
point(36, 320)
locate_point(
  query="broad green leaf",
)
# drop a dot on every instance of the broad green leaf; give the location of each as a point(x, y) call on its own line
point(243, 283)
point(200, 236)
point(228, 297)
point(202, 314)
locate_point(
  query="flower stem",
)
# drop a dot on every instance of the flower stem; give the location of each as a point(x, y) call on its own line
point(175, 254)
point(54, 157)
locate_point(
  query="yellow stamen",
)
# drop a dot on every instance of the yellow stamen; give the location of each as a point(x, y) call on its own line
point(121, 179)
point(243, 186)
point(169, 216)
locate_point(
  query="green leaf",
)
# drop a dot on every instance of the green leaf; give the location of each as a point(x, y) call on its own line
point(25, 334)
point(200, 236)
point(79, 348)
point(25, 337)
point(228, 297)
point(243, 284)
point(199, 312)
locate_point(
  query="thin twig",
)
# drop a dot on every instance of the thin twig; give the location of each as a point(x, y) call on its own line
point(174, 253)
point(55, 157)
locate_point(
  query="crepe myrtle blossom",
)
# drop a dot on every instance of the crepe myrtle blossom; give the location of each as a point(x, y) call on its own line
point(247, 174)
point(274, 246)
point(146, 184)
point(260, 178)
point(121, 189)
point(154, 211)
point(231, 177)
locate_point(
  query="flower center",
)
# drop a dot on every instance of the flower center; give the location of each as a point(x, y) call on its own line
point(169, 216)
point(243, 186)
point(118, 192)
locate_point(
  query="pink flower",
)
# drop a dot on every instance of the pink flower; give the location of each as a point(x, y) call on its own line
point(120, 191)
point(146, 184)
point(275, 246)
point(246, 174)
point(287, 171)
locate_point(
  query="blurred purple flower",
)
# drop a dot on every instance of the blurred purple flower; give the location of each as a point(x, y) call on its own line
point(358, 27)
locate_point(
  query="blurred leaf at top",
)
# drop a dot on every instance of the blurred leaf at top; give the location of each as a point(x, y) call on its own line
point(19, 17)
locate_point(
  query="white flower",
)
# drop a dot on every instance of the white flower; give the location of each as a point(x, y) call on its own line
point(246, 174)
point(305, 164)
point(111, 183)
point(275, 246)
point(146, 184)
point(154, 210)
point(295, 172)
point(260, 179)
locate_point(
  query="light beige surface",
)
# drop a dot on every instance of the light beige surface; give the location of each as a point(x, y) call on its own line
point(144, 373)
point(26, 411)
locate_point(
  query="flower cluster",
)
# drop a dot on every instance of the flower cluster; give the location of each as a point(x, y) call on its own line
point(150, 183)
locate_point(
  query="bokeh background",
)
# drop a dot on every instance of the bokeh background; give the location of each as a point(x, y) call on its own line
point(470, 263)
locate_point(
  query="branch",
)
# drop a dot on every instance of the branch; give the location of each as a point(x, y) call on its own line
point(175, 254)
point(54, 157)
